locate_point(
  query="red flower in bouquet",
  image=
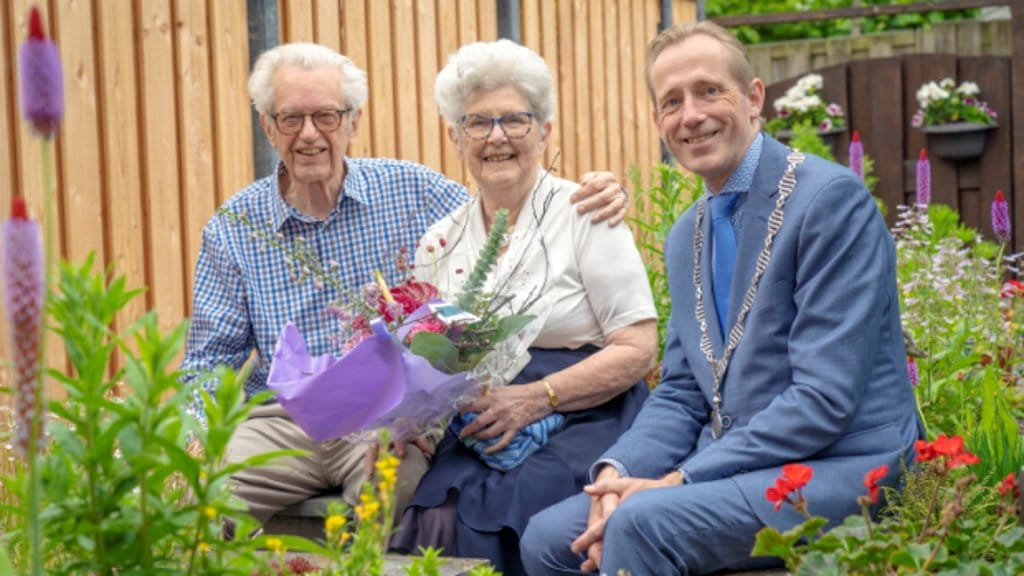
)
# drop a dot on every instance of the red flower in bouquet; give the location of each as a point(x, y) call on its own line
point(412, 294)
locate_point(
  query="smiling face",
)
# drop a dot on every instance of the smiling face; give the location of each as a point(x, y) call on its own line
point(313, 158)
point(705, 117)
point(499, 164)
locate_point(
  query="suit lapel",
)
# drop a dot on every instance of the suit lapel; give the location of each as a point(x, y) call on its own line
point(754, 219)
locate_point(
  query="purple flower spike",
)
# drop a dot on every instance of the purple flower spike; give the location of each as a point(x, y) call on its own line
point(42, 81)
point(924, 179)
point(915, 377)
point(23, 300)
point(857, 154)
point(1000, 217)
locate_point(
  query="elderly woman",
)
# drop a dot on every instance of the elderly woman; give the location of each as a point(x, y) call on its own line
point(598, 337)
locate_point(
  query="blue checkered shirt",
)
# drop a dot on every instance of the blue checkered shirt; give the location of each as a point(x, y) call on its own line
point(244, 292)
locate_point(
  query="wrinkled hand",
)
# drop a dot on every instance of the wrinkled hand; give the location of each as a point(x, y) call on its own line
point(608, 493)
point(503, 411)
point(602, 194)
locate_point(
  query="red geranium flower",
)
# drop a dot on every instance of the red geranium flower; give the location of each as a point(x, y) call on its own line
point(871, 480)
point(925, 451)
point(798, 474)
point(1009, 486)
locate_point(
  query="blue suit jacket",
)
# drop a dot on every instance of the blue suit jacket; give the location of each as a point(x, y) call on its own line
point(820, 376)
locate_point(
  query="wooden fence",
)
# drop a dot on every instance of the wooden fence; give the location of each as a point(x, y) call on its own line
point(778, 61)
point(157, 129)
point(879, 98)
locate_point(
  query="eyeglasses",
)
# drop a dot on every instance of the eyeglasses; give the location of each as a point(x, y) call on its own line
point(480, 126)
point(329, 120)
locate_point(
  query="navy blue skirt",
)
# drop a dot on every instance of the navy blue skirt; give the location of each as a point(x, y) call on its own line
point(492, 507)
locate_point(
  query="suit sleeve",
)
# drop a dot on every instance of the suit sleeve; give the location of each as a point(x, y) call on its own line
point(843, 262)
point(666, 429)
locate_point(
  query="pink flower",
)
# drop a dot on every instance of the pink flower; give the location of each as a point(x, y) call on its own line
point(1000, 217)
point(42, 83)
point(924, 179)
point(915, 376)
point(857, 154)
point(23, 300)
point(431, 324)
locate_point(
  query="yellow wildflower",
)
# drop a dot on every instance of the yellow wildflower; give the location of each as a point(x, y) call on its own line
point(345, 537)
point(275, 545)
point(368, 510)
point(333, 523)
point(203, 547)
point(210, 512)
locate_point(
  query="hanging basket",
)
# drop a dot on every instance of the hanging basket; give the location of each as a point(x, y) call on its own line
point(828, 137)
point(958, 142)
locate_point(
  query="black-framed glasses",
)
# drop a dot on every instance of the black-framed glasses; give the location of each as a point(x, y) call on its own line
point(480, 126)
point(328, 120)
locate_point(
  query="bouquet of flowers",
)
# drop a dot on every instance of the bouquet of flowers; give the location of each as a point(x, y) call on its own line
point(407, 360)
point(802, 104)
point(946, 103)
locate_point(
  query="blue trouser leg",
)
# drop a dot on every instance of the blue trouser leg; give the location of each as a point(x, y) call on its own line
point(692, 529)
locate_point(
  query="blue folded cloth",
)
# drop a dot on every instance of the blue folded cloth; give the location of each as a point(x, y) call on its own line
point(526, 442)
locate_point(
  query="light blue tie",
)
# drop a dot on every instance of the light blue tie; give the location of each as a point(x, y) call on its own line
point(724, 248)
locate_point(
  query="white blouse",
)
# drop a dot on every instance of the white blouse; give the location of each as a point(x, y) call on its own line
point(589, 278)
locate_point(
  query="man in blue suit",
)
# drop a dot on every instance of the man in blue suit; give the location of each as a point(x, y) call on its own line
point(798, 358)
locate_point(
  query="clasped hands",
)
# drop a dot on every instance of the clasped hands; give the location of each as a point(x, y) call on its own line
point(607, 493)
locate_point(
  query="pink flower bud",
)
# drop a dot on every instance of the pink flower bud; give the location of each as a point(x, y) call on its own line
point(42, 83)
point(924, 179)
point(1000, 217)
point(23, 300)
point(857, 154)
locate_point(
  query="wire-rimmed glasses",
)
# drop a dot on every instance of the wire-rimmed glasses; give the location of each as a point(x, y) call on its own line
point(480, 126)
point(327, 120)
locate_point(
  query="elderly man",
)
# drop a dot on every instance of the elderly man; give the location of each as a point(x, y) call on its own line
point(784, 343)
point(356, 213)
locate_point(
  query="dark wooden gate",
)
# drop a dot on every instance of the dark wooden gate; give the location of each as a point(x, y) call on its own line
point(879, 98)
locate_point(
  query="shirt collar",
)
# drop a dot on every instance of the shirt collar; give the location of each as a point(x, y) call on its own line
point(354, 186)
point(743, 177)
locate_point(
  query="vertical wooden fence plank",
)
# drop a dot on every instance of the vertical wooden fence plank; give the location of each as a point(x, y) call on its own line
point(165, 262)
point(565, 76)
point(432, 134)
point(448, 43)
point(78, 155)
point(596, 95)
point(121, 145)
point(581, 128)
point(354, 45)
point(381, 107)
point(645, 27)
point(613, 81)
point(297, 21)
point(407, 114)
point(10, 116)
point(548, 48)
point(487, 20)
point(199, 182)
point(530, 23)
point(626, 58)
point(995, 168)
point(232, 128)
point(327, 23)
point(1015, 123)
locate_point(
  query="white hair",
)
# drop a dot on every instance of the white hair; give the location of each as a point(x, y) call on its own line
point(491, 65)
point(261, 82)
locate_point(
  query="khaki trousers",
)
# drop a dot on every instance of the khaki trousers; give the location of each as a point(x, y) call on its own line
point(336, 465)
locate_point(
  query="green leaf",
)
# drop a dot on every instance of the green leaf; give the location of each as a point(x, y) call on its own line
point(438, 350)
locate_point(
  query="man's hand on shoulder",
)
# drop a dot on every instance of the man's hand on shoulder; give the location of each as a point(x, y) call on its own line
point(602, 194)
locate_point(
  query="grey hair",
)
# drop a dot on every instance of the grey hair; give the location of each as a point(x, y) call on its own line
point(491, 65)
point(261, 82)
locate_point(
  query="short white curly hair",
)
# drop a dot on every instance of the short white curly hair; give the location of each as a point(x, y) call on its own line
point(491, 65)
point(261, 82)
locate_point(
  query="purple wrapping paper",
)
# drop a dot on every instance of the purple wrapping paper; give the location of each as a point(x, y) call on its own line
point(379, 383)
